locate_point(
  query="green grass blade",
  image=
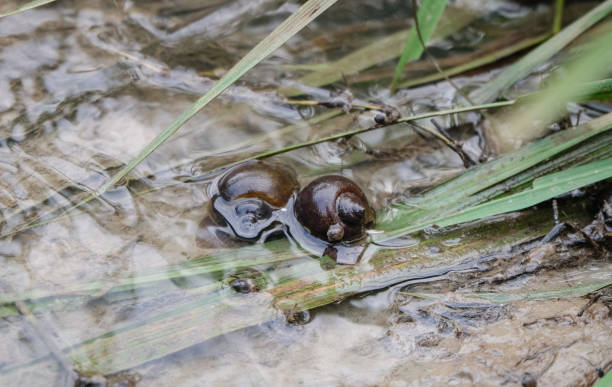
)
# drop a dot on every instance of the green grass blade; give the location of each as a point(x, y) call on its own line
point(428, 15)
point(544, 188)
point(25, 7)
point(540, 54)
point(559, 5)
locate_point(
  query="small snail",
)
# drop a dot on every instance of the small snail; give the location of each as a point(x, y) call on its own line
point(256, 200)
point(334, 209)
point(247, 198)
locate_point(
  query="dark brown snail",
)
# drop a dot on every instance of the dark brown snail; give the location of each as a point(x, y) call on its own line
point(250, 195)
point(335, 209)
point(270, 182)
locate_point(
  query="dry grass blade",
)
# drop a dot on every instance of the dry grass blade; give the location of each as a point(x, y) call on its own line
point(27, 6)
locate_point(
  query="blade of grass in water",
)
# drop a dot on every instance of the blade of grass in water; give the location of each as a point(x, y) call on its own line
point(27, 6)
point(428, 15)
point(479, 62)
point(540, 54)
point(222, 260)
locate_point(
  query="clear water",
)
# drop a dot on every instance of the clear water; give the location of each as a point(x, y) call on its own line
point(85, 85)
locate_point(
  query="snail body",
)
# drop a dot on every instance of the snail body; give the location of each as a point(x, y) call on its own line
point(250, 195)
point(334, 209)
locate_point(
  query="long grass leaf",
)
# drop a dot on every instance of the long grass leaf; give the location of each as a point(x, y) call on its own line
point(27, 6)
point(540, 54)
point(428, 15)
point(544, 188)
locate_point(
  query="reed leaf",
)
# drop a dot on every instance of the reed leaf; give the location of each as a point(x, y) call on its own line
point(544, 188)
point(427, 19)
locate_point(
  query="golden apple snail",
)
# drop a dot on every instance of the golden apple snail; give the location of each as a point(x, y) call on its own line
point(257, 199)
point(334, 209)
point(250, 195)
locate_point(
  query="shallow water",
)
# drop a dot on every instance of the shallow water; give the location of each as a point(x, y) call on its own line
point(85, 85)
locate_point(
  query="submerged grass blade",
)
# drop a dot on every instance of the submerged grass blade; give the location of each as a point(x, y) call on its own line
point(428, 15)
point(539, 55)
point(574, 291)
point(27, 6)
point(479, 62)
point(222, 260)
point(544, 188)
point(380, 51)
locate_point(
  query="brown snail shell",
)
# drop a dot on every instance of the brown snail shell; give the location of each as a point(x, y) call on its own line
point(335, 209)
point(271, 182)
point(250, 194)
